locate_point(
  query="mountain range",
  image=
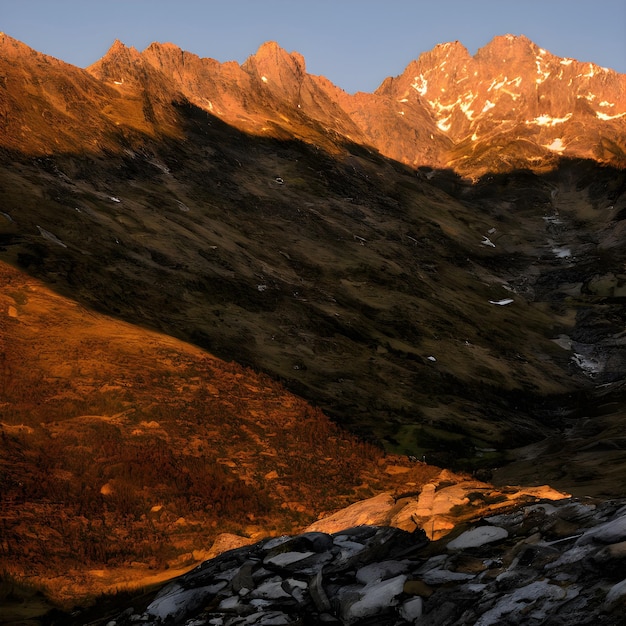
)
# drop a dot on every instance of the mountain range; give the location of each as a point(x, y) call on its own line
point(446, 110)
point(438, 267)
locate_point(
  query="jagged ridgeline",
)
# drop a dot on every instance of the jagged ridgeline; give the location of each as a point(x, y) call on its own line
point(437, 267)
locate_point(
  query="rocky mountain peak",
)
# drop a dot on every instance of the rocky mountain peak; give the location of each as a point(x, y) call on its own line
point(10, 46)
point(47, 104)
point(184, 69)
point(118, 46)
point(270, 52)
point(166, 51)
point(453, 53)
point(510, 92)
point(119, 62)
point(277, 68)
point(20, 54)
point(119, 50)
point(447, 109)
point(504, 48)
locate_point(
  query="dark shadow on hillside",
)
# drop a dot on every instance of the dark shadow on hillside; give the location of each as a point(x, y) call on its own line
point(364, 286)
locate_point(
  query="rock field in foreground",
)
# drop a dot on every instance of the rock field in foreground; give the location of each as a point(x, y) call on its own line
point(559, 563)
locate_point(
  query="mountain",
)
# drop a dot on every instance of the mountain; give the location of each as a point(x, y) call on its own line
point(511, 105)
point(447, 109)
point(123, 189)
point(514, 105)
point(438, 267)
point(379, 277)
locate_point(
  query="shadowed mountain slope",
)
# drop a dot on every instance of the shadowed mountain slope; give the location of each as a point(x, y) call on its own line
point(378, 292)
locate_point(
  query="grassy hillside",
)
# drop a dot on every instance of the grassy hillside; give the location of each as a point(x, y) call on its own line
point(126, 452)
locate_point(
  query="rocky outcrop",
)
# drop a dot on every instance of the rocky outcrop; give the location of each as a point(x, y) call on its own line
point(270, 91)
point(45, 103)
point(441, 505)
point(558, 563)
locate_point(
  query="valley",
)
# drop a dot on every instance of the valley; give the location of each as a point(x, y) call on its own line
point(236, 299)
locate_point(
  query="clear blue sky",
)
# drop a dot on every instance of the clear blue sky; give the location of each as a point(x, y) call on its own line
point(354, 43)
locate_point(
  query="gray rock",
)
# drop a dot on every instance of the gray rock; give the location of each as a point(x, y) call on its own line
point(318, 594)
point(380, 571)
point(611, 531)
point(271, 589)
point(521, 566)
point(477, 537)
point(243, 577)
point(412, 609)
point(615, 596)
point(372, 599)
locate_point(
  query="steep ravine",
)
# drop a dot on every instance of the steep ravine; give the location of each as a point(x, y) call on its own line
point(582, 273)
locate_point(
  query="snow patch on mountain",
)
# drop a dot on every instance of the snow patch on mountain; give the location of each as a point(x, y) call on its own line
point(497, 85)
point(543, 72)
point(465, 105)
point(444, 124)
point(590, 73)
point(556, 145)
point(420, 84)
point(562, 252)
point(606, 118)
point(546, 120)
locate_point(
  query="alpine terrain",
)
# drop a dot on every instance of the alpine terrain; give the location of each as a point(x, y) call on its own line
point(238, 302)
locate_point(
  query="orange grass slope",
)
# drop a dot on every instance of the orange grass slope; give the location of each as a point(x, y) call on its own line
point(124, 450)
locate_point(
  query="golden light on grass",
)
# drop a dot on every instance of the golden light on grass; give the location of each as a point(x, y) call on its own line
point(125, 453)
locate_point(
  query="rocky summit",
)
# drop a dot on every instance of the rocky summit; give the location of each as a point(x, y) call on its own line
point(556, 562)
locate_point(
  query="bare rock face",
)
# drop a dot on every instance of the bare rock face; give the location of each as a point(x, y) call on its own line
point(137, 81)
point(45, 102)
point(270, 92)
point(511, 105)
point(281, 72)
point(441, 506)
point(219, 88)
point(514, 103)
